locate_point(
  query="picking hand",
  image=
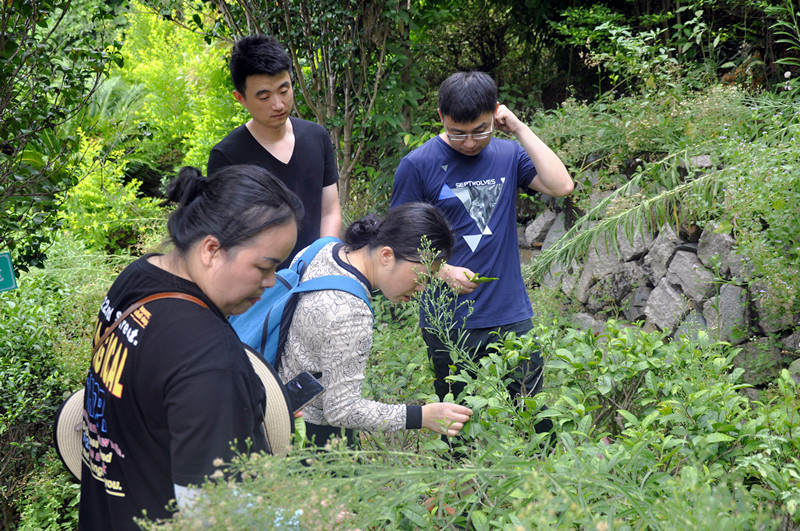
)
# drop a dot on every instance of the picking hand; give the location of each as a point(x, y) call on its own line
point(458, 278)
point(445, 418)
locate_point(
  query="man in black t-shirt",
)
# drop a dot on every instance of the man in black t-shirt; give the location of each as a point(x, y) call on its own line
point(298, 152)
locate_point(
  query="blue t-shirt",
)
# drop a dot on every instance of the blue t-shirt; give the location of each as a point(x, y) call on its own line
point(478, 194)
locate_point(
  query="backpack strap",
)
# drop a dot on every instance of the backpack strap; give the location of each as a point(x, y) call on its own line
point(277, 322)
point(141, 302)
point(340, 282)
point(312, 251)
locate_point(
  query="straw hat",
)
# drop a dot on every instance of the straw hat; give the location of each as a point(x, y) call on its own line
point(278, 419)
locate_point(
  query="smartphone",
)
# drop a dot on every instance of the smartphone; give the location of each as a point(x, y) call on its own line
point(302, 390)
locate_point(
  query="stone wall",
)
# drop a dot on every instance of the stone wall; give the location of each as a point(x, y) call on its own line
point(677, 283)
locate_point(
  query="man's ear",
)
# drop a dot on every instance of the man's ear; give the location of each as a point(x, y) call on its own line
point(239, 97)
point(210, 250)
point(440, 115)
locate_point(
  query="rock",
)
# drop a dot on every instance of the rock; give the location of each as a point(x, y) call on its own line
point(686, 271)
point(761, 360)
point(727, 314)
point(632, 249)
point(770, 320)
point(660, 254)
point(666, 306)
point(556, 231)
point(597, 196)
point(525, 255)
point(714, 249)
point(584, 321)
point(701, 161)
point(794, 370)
point(609, 291)
point(719, 250)
point(792, 343)
point(537, 230)
point(692, 324)
point(601, 261)
point(635, 303)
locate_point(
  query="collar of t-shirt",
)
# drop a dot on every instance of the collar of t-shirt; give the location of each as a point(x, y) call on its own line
point(349, 267)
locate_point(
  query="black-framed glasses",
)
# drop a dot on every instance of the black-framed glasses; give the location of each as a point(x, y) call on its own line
point(474, 136)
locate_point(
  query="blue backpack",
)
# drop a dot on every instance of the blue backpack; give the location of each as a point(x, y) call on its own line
point(265, 326)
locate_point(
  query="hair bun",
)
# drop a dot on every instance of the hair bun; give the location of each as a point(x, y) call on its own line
point(362, 232)
point(187, 186)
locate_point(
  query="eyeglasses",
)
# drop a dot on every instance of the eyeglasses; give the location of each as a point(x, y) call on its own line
point(474, 136)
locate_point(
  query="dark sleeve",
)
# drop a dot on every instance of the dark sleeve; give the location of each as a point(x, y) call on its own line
point(216, 160)
point(407, 186)
point(413, 417)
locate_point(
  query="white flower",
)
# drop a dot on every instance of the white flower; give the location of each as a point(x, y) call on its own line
point(787, 74)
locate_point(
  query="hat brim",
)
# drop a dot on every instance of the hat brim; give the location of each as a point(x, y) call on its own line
point(68, 432)
point(278, 418)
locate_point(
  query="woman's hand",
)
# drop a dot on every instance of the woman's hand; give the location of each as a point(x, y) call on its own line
point(445, 418)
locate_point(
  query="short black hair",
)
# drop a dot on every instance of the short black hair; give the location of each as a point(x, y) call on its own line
point(255, 55)
point(464, 96)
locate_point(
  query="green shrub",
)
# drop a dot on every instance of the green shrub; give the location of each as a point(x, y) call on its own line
point(46, 327)
point(650, 434)
point(189, 105)
point(51, 499)
point(32, 388)
point(104, 212)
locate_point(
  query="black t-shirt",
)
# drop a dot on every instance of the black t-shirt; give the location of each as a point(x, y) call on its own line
point(311, 168)
point(166, 394)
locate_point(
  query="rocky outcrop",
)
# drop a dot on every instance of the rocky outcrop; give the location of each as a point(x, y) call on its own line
point(682, 285)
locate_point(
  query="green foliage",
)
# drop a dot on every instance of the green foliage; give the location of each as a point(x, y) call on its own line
point(45, 331)
point(51, 499)
point(630, 59)
point(49, 70)
point(752, 143)
point(101, 210)
point(188, 106)
point(650, 434)
point(762, 183)
point(787, 28)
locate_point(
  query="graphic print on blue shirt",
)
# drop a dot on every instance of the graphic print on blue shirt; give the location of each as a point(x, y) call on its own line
point(479, 199)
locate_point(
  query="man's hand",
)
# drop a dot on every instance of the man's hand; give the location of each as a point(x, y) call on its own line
point(507, 121)
point(458, 278)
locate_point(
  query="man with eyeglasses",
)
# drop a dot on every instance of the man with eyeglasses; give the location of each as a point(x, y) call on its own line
point(473, 178)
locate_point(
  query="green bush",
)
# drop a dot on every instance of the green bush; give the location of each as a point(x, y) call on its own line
point(189, 105)
point(650, 434)
point(102, 211)
point(46, 327)
point(32, 387)
point(51, 499)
